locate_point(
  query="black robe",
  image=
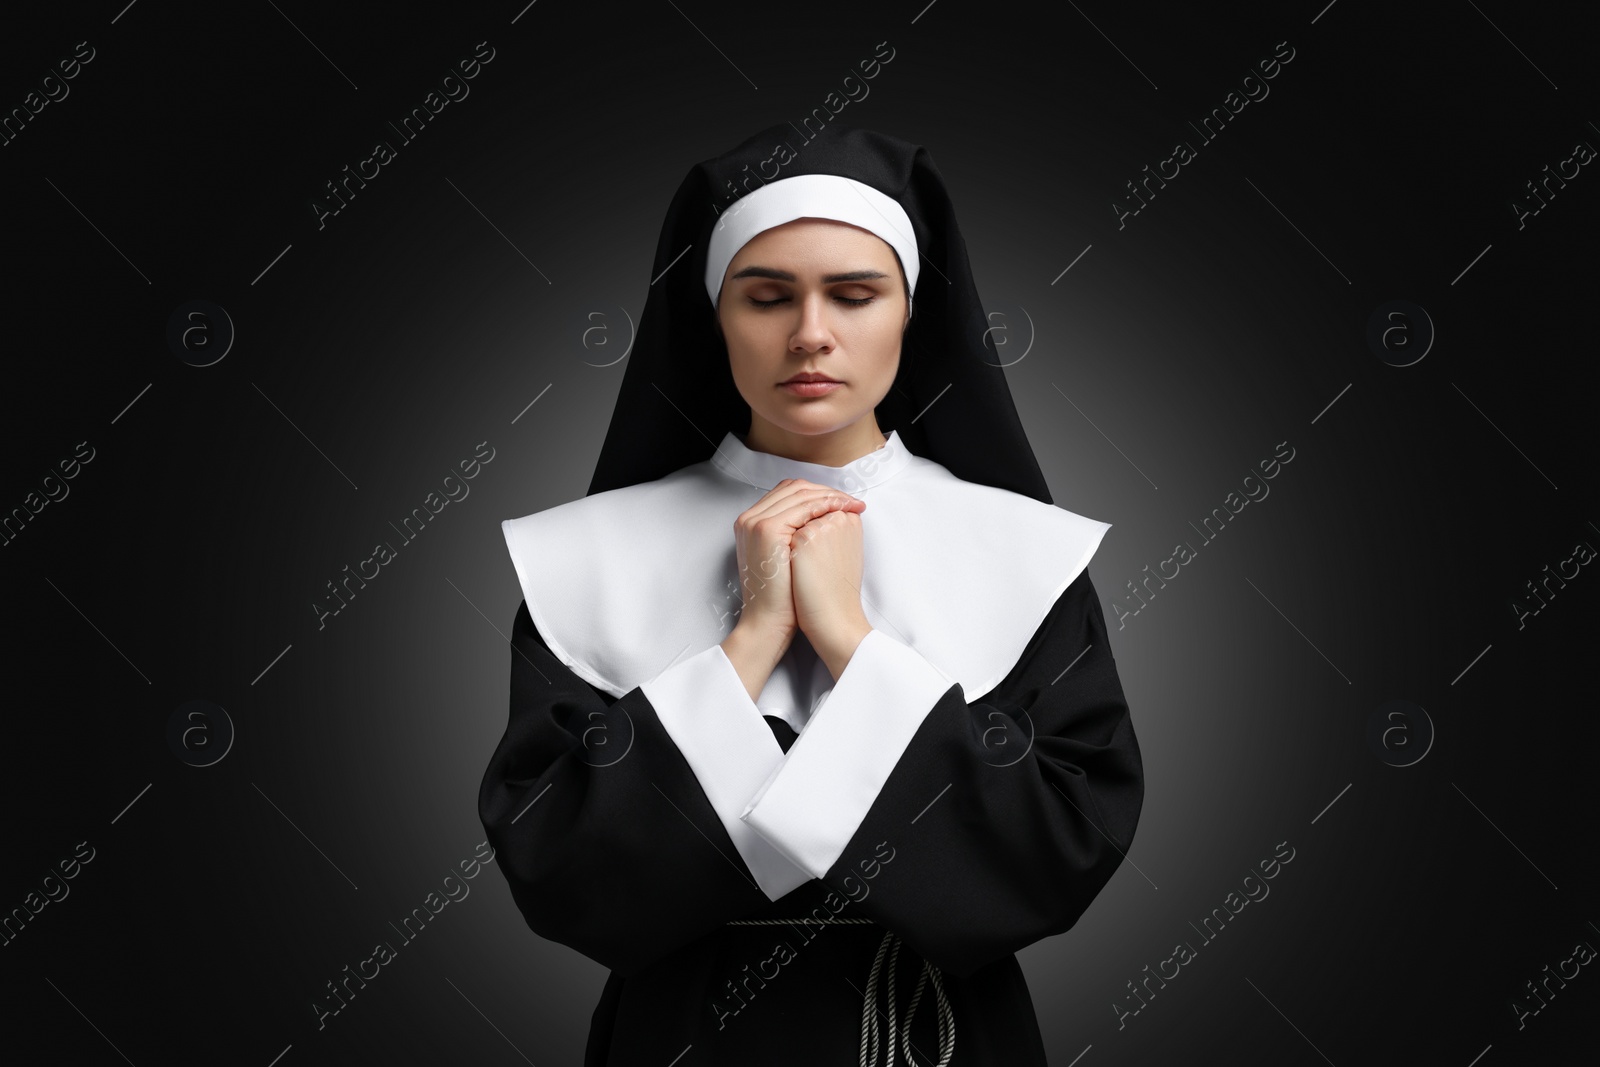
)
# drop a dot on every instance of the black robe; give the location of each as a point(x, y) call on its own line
point(997, 827)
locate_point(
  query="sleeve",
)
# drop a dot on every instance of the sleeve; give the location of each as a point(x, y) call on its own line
point(610, 842)
point(971, 830)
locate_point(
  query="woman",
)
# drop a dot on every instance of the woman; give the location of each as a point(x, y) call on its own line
point(815, 722)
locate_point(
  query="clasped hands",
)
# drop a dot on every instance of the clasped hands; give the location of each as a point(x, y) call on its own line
point(800, 566)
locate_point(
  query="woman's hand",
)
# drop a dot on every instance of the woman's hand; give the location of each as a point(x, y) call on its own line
point(764, 541)
point(826, 574)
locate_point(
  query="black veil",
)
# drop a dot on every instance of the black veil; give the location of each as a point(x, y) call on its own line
point(678, 398)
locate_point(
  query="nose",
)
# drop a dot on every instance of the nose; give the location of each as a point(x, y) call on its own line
point(814, 331)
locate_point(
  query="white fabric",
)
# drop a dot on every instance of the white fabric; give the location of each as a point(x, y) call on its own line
point(814, 196)
point(636, 587)
point(702, 703)
point(817, 797)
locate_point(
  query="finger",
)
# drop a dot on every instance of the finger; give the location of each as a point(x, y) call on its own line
point(804, 502)
point(806, 510)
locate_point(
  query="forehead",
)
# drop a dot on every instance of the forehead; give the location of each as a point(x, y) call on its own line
point(807, 238)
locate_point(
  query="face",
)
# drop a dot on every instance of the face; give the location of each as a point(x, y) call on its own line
point(813, 295)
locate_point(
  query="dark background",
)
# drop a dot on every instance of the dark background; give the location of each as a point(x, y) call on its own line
point(469, 277)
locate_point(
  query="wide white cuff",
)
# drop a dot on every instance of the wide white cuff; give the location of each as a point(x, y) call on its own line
point(816, 799)
point(710, 717)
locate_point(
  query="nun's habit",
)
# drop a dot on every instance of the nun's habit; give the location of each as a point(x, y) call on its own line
point(843, 870)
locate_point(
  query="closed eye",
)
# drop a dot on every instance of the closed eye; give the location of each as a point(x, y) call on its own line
point(842, 299)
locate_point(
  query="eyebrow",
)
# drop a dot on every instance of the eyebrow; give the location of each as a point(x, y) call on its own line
point(828, 279)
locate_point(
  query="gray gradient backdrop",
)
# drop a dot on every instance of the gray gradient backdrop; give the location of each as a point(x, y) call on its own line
point(495, 263)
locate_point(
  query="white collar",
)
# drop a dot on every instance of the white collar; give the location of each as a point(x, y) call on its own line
point(765, 470)
point(623, 584)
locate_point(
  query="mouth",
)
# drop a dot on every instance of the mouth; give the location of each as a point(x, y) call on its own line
point(810, 385)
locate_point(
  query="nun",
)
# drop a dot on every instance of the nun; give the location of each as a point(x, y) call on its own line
point(814, 720)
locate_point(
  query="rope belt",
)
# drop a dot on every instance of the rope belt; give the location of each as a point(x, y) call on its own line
point(869, 1012)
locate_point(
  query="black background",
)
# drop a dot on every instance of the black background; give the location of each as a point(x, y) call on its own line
point(502, 253)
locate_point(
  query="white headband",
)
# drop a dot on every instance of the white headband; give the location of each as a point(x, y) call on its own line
point(818, 196)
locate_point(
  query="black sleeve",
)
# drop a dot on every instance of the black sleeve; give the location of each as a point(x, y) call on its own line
point(1004, 818)
point(599, 824)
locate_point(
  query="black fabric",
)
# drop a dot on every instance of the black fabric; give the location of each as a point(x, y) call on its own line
point(1005, 817)
point(678, 399)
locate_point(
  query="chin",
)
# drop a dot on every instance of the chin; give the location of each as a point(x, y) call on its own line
point(814, 423)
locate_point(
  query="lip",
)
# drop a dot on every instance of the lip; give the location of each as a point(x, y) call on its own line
point(804, 388)
point(809, 376)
